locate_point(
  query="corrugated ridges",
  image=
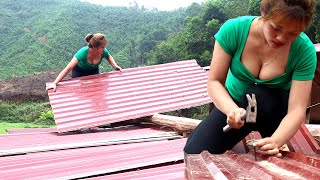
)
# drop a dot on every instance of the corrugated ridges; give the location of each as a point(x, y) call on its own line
point(242, 166)
point(165, 172)
point(85, 162)
point(301, 142)
point(133, 93)
point(38, 142)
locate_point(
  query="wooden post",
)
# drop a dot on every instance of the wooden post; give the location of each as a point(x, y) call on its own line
point(180, 124)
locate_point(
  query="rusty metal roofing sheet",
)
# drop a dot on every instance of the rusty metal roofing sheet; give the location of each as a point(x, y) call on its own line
point(136, 92)
point(242, 166)
point(37, 142)
point(163, 172)
point(90, 161)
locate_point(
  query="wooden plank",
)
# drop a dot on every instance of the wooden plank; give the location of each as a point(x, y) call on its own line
point(180, 124)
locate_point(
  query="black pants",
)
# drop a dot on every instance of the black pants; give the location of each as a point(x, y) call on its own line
point(272, 105)
point(78, 72)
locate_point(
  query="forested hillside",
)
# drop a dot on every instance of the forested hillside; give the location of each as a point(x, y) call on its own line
point(43, 35)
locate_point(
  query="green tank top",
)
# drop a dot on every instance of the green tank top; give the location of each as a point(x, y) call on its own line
point(232, 37)
point(82, 56)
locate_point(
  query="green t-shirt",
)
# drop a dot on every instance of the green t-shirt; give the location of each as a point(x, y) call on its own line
point(232, 37)
point(82, 56)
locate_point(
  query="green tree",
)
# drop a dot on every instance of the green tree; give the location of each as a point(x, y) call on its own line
point(254, 7)
point(194, 41)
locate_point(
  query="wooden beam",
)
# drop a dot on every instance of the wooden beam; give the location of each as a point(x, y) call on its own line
point(180, 124)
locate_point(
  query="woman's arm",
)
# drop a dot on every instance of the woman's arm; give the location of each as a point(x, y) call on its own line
point(113, 63)
point(297, 105)
point(63, 73)
point(216, 87)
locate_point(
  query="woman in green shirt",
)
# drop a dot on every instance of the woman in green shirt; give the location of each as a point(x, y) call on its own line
point(268, 56)
point(87, 60)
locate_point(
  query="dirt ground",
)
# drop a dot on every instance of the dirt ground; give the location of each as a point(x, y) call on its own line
point(27, 88)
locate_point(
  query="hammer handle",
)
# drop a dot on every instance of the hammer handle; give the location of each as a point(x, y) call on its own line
point(227, 127)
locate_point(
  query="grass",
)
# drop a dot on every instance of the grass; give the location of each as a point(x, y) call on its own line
point(40, 115)
point(5, 125)
point(25, 115)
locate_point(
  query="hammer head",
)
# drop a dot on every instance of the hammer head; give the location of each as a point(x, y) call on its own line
point(251, 111)
point(250, 114)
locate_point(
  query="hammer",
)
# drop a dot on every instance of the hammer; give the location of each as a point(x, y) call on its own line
point(250, 113)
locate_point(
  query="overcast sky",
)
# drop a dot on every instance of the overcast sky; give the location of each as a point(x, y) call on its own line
point(165, 5)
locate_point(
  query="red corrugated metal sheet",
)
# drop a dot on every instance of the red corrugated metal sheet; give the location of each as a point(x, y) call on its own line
point(90, 161)
point(235, 166)
point(315, 131)
point(30, 130)
point(107, 161)
point(37, 142)
point(136, 92)
point(165, 172)
point(301, 142)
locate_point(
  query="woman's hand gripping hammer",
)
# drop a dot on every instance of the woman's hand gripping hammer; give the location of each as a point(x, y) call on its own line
point(250, 114)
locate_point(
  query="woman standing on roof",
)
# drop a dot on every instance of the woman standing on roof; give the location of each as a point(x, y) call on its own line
point(268, 56)
point(87, 60)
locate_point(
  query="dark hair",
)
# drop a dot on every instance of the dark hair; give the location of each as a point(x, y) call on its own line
point(96, 40)
point(298, 12)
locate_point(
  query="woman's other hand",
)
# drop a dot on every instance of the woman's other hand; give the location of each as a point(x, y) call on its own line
point(51, 86)
point(117, 68)
point(267, 146)
point(234, 118)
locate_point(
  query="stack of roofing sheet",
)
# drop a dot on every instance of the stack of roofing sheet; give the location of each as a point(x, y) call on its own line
point(133, 152)
point(50, 155)
point(48, 141)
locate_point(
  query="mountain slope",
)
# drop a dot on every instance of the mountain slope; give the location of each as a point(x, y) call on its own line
point(44, 34)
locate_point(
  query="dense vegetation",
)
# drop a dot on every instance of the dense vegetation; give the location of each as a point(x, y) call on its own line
point(25, 115)
point(42, 35)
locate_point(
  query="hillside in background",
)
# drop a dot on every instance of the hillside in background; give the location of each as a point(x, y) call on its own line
point(43, 35)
